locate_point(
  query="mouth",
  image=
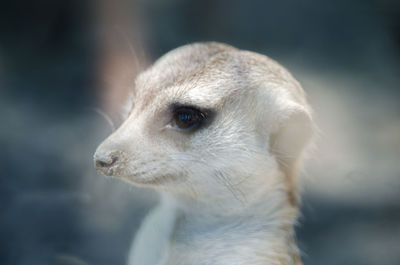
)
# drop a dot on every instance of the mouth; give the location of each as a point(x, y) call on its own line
point(116, 172)
point(152, 181)
point(109, 172)
point(117, 167)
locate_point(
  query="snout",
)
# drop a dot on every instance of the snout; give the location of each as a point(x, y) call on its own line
point(108, 162)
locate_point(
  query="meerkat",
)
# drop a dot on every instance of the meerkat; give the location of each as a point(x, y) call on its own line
point(220, 133)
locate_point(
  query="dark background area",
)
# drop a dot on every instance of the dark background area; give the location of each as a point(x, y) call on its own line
point(55, 209)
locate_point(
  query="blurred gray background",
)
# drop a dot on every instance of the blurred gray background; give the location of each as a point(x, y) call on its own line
point(55, 209)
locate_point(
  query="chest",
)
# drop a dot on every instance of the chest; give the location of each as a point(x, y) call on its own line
point(227, 245)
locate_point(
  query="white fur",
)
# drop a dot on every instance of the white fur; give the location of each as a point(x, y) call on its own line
point(229, 193)
point(151, 241)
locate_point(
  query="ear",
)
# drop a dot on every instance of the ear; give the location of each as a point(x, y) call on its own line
point(288, 144)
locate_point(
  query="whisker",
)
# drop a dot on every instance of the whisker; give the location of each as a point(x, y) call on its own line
point(132, 50)
point(105, 116)
point(281, 154)
point(282, 162)
point(221, 178)
point(226, 182)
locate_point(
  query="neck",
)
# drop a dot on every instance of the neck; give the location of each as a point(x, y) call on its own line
point(262, 225)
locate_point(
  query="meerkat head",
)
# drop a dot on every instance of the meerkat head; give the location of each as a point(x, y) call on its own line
point(210, 121)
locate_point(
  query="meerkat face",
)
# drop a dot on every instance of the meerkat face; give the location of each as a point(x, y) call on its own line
point(202, 122)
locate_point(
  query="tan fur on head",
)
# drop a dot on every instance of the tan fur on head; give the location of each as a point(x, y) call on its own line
point(228, 176)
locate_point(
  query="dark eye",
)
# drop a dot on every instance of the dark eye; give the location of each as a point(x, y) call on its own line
point(187, 118)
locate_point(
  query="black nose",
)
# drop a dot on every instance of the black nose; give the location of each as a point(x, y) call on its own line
point(104, 161)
